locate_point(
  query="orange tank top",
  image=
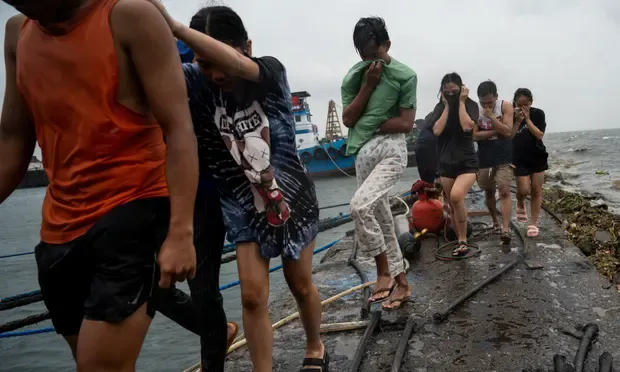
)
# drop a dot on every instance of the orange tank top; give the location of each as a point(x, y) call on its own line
point(97, 153)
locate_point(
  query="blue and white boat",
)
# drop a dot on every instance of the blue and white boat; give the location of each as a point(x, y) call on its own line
point(321, 157)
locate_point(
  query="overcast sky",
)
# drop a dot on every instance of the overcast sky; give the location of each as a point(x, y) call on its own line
point(566, 51)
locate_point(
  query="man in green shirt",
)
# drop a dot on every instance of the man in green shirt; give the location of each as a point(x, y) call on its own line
point(379, 99)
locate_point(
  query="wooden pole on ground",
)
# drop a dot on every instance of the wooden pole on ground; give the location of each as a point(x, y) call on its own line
point(288, 319)
point(476, 213)
point(339, 327)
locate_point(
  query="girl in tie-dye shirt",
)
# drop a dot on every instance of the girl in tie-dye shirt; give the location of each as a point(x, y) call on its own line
point(242, 114)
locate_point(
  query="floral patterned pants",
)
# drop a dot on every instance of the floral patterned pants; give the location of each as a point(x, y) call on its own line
point(379, 165)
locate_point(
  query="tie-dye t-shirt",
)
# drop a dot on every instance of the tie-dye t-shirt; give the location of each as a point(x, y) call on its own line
point(225, 125)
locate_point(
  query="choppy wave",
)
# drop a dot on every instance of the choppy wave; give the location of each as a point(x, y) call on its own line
point(588, 166)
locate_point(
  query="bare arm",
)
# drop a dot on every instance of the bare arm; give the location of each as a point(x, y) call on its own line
point(142, 31)
point(504, 126)
point(399, 124)
point(534, 130)
point(440, 124)
point(225, 57)
point(467, 123)
point(17, 132)
point(352, 112)
point(481, 135)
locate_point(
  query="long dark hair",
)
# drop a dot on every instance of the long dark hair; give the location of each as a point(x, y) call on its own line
point(453, 113)
point(221, 23)
point(452, 77)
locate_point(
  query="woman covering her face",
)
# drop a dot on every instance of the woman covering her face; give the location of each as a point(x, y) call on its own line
point(529, 156)
point(453, 121)
point(242, 115)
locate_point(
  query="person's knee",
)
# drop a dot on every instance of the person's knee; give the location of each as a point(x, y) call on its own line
point(302, 289)
point(536, 192)
point(457, 197)
point(254, 297)
point(504, 192)
point(522, 192)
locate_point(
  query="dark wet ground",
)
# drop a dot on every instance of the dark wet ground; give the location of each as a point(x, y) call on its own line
point(513, 324)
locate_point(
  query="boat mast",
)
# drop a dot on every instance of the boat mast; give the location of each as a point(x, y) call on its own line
point(333, 131)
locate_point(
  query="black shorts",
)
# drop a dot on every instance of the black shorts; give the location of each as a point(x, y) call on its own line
point(109, 272)
point(453, 171)
point(523, 170)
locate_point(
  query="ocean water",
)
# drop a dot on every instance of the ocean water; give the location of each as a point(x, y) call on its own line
point(575, 158)
point(587, 162)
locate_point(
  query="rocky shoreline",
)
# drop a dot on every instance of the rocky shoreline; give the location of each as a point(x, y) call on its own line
point(591, 227)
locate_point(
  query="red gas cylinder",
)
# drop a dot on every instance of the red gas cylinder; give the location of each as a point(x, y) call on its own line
point(427, 214)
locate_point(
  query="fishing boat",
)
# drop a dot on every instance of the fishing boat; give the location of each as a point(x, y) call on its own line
point(322, 157)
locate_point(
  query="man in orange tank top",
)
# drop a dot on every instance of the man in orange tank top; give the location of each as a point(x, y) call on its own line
point(80, 80)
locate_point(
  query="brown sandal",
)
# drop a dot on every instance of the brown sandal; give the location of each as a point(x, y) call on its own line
point(382, 299)
point(400, 300)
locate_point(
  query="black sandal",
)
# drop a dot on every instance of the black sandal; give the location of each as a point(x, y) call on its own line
point(310, 364)
point(505, 237)
point(461, 249)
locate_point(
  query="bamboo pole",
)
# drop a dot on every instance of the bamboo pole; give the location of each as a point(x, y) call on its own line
point(347, 326)
point(288, 319)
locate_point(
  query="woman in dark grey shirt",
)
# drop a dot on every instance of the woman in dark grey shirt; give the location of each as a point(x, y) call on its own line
point(453, 121)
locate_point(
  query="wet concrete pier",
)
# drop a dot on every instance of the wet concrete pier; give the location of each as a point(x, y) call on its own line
point(516, 323)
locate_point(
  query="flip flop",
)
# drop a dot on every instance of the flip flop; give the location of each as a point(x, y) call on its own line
point(311, 364)
point(522, 215)
point(379, 300)
point(497, 229)
point(231, 339)
point(532, 231)
point(401, 301)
